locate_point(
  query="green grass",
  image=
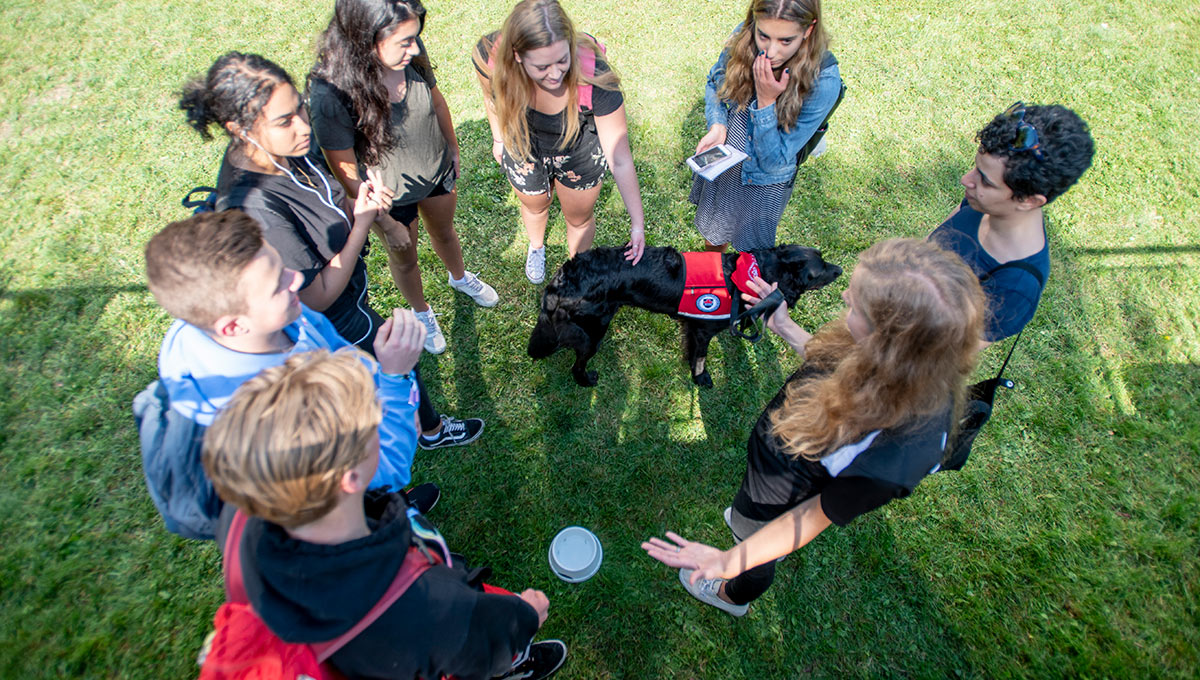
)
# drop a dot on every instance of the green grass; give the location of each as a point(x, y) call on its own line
point(1067, 548)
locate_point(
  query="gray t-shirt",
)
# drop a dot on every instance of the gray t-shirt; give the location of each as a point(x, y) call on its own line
point(420, 158)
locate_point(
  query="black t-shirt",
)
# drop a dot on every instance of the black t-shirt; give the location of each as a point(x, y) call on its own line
point(546, 130)
point(304, 221)
point(419, 159)
point(853, 480)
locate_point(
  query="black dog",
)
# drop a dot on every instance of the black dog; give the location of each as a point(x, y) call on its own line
point(582, 298)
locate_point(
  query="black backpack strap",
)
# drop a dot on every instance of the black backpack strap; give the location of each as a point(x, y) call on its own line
point(1018, 264)
point(1041, 279)
point(206, 203)
point(1013, 346)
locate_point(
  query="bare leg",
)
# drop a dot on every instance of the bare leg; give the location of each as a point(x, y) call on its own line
point(438, 215)
point(715, 247)
point(535, 212)
point(579, 212)
point(403, 263)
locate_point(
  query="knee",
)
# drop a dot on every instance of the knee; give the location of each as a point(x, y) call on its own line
point(403, 259)
point(536, 205)
point(581, 221)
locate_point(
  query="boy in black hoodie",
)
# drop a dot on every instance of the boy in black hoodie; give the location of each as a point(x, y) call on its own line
point(294, 450)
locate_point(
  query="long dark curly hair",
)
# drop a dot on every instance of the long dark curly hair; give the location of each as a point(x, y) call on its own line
point(346, 59)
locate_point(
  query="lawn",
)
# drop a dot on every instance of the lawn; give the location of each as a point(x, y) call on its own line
point(1068, 546)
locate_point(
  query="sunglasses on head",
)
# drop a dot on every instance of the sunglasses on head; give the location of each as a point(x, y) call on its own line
point(426, 533)
point(1027, 135)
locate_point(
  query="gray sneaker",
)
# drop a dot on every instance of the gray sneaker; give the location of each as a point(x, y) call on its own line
point(535, 265)
point(706, 590)
point(483, 294)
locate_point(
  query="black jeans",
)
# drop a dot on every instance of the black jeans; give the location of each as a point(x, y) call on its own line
point(366, 325)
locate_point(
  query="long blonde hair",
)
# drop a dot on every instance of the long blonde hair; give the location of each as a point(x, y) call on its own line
point(804, 65)
point(531, 25)
point(925, 310)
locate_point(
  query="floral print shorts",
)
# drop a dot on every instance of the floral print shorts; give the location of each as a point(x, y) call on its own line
point(579, 167)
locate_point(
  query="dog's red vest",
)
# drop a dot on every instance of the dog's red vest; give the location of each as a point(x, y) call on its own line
point(704, 293)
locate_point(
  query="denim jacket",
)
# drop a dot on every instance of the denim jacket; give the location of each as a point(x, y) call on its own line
point(772, 151)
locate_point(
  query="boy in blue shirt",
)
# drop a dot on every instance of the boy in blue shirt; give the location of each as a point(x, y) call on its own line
point(237, 313)
point(1028, 156)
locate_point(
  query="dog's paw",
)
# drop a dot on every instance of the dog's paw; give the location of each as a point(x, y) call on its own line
point(588, 379)
point(703, 380)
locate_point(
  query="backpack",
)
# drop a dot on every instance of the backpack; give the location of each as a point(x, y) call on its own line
point(980, 397)
point(171, 445)
point(817, 136)
point(241, 647)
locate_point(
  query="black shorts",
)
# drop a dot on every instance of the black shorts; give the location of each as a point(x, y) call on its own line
point(405, 214)
point(579, 167)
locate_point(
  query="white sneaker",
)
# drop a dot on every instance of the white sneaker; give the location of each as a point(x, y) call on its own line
point(706, 590)
point(483, 294)
point(535, 265)
point(435, 342)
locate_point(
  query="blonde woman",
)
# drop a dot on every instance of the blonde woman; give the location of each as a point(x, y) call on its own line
point(863, 421)
point(557, 117)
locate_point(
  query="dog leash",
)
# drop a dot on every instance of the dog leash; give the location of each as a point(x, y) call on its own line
point(752, 317)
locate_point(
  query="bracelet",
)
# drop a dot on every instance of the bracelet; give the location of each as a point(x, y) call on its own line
point(405, 376)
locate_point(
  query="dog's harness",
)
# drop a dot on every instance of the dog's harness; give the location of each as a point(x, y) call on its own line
point(706, 292)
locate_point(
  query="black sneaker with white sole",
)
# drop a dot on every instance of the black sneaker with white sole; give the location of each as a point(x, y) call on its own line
point(544, 659)
point(454, 432)
point(423, 496)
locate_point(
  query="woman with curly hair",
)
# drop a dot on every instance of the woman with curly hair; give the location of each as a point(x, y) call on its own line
point(863, 421)
point(772, 87)
point(375, 104)
point(558, 121)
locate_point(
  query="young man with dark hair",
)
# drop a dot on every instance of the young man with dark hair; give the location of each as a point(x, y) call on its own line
point(1028, 156)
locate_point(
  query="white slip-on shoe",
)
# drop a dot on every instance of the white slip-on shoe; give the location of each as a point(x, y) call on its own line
point(706, 590)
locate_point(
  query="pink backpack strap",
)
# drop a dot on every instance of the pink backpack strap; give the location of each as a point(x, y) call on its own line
point(415, 564)
point(235, 585)
point(587, 68)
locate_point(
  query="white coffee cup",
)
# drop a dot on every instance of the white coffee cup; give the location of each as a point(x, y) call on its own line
point(575, 554)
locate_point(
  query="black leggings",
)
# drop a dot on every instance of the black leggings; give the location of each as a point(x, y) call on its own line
point(425, 411)
point(752, 583)
point(749, 516)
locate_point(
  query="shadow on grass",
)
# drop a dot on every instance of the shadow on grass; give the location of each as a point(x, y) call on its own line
point(88, 568)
